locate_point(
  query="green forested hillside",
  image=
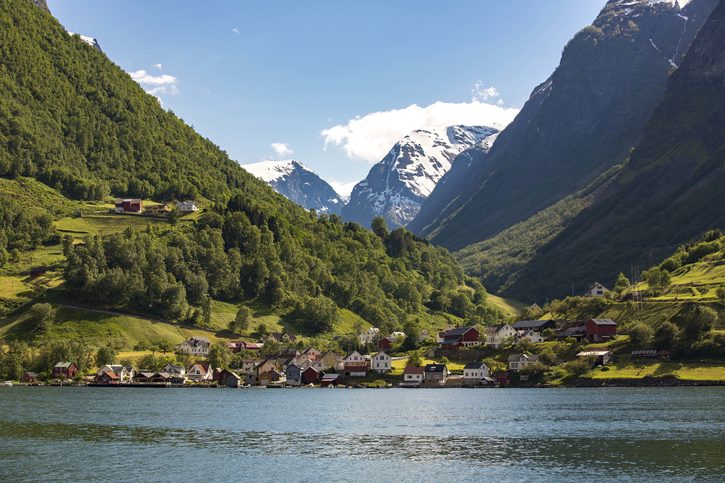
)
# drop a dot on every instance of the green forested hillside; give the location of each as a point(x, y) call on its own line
point(76, 122)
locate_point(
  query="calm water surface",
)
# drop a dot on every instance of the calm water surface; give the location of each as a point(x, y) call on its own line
point(80, 434)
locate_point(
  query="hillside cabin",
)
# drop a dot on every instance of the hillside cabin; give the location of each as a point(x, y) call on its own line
point(188, 206)
point(368, 336)
point(596, 290)
point(599, 358)
point(64, 370)
point(497, 335)
point(598, 330)
point(386, 344)
point(521, 361)
point(577, 332)
point(535, 325)
point(195, 346)
point(157, 210)
point(532, 336)
point(128, 205)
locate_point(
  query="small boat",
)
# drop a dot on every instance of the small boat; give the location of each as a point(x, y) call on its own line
point(8, 383)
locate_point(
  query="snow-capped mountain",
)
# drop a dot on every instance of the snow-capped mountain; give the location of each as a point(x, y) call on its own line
point(300, 184)
point(396, 186)
point(88, 40)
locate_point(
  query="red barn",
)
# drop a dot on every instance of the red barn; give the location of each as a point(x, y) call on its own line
point(386, 344)
point(64, 370)
point(129, 205)
point(601, 329)
point(310, 376)
point(460, 337)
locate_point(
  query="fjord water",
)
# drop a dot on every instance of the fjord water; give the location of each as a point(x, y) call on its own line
point(76, 434)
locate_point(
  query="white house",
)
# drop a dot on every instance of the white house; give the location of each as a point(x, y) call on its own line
point(200, 373)
point(596, 290)
point(196, 346)
point(520, 361)
point(368, 336)
point(356, 365)
point(532, 336)
point(125, 374)
point(381, 362)
point(187, 206)
point(414, 375)
point(475, 371)
point(496, 335)
point(398, 335)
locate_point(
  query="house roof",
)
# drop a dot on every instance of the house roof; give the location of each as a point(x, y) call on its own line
point(604, 322)
point(518, 357)
point(381, 354)
point(573, 331)
point(110, 374)
point(531, 324)
point(414, 370)
point(310, 368)
point(458, 331)
point(31, 374)
point(475, 365)
point(451, 340)
point(435, 367)
point(331, 377)
point(63, 365)
point(593, 353)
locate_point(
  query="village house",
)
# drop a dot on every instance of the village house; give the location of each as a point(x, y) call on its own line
point(229, 379)
point(200, 372)
point(156, 209)
point(271, 377)
point(497, 335)
point(531, 336)
point(459, 337)
point(381, 362)
point(196, 346)
point(368, 336)
point(29, 377)
point(599, 358)
point(125, 374)
point(332, 360)
point(293, 372)
point(106, 376)
point(356, 365)
point(473, 372)
point(310, 376)
point(413, 375)
point(161, 377)
point(178, 373)
point(143, 376)
point(386, 343)
point(596, 290)
point(64, 370)
point(535, 325)
point(312, 354)
point(601, 329)
point(283, 337)
point(577, 332)
point(398, 335)
point(331, 380)
point(188, 206)
point(520, 361)
point(128, 205)
point(436, 373)
point(533, 308)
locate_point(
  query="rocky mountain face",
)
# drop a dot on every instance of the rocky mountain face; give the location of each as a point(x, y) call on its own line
point(668, 193)
point(298, 183)
point(580, 122)
point(397, 185)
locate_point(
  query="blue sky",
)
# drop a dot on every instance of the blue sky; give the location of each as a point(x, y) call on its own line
point(263, 78)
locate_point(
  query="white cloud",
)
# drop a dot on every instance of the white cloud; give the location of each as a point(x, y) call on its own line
point(343, 188)
point(158, 66)
point(483, 93)
point(371, 136)
point(156, 84)
point(235, 30)
point(281, 149)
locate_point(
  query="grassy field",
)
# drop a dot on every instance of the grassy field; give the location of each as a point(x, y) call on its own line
point(105, 224)
point(509, 307)
point(686, 371)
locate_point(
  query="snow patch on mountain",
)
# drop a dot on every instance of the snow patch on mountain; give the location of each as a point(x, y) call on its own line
point(88, 40)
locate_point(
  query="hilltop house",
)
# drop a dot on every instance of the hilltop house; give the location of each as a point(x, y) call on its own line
point(473, 372)
point(196, 346)
point(414, 375)
point(368, 336)
point(64, 370)
point(599, 358)
point(596, 290)
point(520, 361)
point(496, 335)
point(381, 362)
point(531, 336)
point(460, 337)
point(598, 330)
point(386, 343)
point(436, 373)
point(188, 206)
point(128, 205)
point(356, 365)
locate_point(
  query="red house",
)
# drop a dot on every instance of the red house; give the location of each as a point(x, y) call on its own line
point(64, 370)
point(601, 329)
point(460, 337)
point(107, 377)
point(129, 205)
point(386, 344)
point(29, 378)
point(310, 376)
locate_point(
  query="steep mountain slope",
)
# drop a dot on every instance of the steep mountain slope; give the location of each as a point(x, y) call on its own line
point(583, 120)
point(670, 191)
point(396, 186)
point(298, 183)
point(73, 120)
